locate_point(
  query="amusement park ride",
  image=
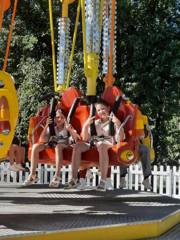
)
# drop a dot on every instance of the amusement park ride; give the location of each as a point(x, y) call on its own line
point(98, 27)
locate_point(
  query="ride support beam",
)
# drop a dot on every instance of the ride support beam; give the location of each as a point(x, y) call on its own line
point(65, 6)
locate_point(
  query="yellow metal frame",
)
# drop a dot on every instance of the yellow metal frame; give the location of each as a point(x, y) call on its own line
point(91, 60)
point(65, 6)
point(84, 33)
point(73, 45)
point(9, 92)
point(52, 44)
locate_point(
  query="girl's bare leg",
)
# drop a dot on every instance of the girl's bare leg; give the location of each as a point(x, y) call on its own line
point(103, 159)
point(58, 158)
point(78, 149)
point(36, 149)
point(19, 154)
point(11, 154)
point(22, 155)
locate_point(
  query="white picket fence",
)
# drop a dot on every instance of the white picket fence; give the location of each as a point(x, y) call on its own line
point(165, 180)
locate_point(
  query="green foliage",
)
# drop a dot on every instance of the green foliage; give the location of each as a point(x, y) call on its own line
point(149, 72)
point(30, 92)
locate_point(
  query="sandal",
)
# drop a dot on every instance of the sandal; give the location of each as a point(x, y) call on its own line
point(55, 182)
point(30, 180)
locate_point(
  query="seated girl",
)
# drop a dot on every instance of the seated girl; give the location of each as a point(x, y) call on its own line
point(103, 142)
point(58, 142)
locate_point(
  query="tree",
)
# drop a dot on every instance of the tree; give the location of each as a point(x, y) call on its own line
point(148, 58)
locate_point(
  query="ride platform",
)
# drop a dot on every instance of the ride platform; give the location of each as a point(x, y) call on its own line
point(38, 212)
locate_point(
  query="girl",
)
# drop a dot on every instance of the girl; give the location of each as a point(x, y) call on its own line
point(103, 142)
point(60, 141)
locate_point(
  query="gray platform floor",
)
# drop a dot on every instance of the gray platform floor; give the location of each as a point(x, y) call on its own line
point(39, 208)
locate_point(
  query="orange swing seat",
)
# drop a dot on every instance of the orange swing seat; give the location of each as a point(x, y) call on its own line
point(123, 153)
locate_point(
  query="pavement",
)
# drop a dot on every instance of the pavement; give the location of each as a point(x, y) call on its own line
point(38, 208)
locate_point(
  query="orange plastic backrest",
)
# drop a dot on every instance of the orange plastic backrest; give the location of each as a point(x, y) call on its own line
point(39, 118)
point(4, 5)
point(80, 116)
point(68, 98)
point(130, 109)
point(110, 94)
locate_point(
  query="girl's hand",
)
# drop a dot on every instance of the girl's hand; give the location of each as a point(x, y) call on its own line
point(68, 126)
point(49, 121)
point(76, 136)
point(89, 121)
point(72, 131)
point(116, 121)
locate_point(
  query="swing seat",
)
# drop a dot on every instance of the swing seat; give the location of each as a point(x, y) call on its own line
point(123, 153)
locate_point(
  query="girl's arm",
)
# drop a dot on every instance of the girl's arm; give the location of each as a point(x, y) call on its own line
point(72, 131)
point(85, 133)
point(44, 137)
point(85, 130)
point(119, 130)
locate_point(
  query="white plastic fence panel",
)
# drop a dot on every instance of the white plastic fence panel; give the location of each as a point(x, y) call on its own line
point(166, 180)
point(155, 178)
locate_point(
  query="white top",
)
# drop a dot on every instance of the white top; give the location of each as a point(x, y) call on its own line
point(102, 130)
point(63, 133)
point(60, 137)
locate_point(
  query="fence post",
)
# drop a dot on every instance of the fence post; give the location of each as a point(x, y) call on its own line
point(63, 174)
point(161, 180)
point(169, 181)
point(178, 187)
point(136, 177)
point(154, 172)
point(174, 181)
point(118, 177)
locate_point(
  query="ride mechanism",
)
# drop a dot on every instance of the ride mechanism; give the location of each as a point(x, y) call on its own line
point(8, 98)
point(98, 26)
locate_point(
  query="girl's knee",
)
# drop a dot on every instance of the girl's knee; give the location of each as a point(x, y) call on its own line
point(102, 147)
point(80, 147)
point(59, 147)
point(37, 146)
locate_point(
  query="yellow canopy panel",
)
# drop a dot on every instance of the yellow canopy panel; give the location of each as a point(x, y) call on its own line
point(8, 112)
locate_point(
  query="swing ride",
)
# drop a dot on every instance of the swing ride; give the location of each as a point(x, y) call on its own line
point(98, 33)
point(98, 21)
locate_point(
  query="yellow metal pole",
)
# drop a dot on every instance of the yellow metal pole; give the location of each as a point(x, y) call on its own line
point(110, 70)
point(84, 33)
point(52, 45)
point(73, 45)
point(65, 5)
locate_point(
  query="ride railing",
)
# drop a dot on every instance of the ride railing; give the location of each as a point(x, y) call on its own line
point(165, 179)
